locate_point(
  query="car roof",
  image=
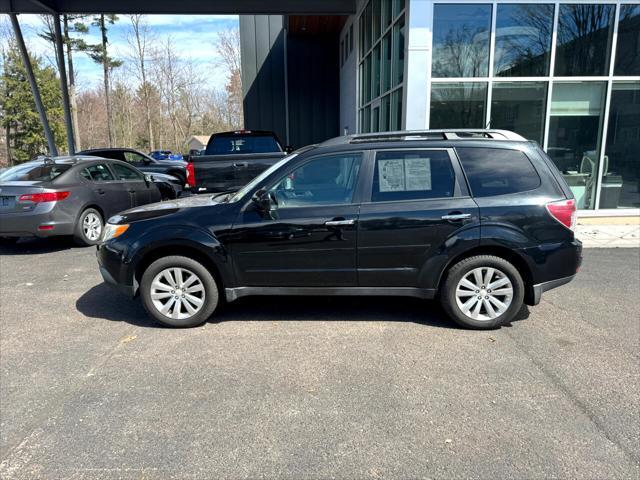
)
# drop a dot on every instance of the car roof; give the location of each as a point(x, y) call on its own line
point(425, 136)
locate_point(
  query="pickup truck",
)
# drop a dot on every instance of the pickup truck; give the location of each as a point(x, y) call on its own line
point(233, 159)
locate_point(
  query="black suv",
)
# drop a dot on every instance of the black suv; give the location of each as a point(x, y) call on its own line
point(481, 220)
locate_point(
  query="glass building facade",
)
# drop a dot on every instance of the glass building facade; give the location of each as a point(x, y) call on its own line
point(565, 74)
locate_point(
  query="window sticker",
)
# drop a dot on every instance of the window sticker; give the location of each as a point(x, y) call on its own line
point(391, 175)
point(417, 174)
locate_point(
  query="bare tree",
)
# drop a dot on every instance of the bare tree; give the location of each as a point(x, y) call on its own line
point(228, 47)
point(139, 38)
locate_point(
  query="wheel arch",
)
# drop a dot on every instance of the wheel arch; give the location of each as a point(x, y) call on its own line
point(498, 251)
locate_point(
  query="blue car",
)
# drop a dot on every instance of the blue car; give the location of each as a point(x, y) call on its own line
point(165, 155)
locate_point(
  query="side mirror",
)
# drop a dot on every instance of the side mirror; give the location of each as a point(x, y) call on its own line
point(148, 179)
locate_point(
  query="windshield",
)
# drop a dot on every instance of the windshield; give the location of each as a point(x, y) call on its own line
point(253, 183)
point(34, 172)
point(239, 144)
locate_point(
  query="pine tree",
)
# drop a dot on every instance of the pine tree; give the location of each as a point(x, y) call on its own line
point(18, 114)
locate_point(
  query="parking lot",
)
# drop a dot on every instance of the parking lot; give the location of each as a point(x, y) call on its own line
point(314, 387)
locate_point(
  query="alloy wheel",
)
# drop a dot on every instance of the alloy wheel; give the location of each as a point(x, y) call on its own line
point(177, 293)
point(92, 227)
point(484, 293)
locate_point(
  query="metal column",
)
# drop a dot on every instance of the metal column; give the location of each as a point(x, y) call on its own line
point(32, 82)
point(63, 85)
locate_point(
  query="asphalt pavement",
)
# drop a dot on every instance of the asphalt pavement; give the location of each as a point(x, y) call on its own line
point(294, 388)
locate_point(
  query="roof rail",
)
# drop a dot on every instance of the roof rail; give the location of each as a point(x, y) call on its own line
point(454, 134)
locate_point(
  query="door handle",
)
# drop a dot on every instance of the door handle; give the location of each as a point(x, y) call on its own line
point(456, 216)
point(100, 191)
point(131, 191)
point(240, 165)
point(339, 223)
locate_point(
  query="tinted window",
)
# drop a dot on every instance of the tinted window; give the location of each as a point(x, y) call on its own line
point(327, 180)
point(38, 172)
point(124, 172)
point(236, 144)
point(584, 39)
point(523, 40)
point(97, 173)
point(461, 40)
point(412, 175)
point(496, 171)
point(627, 57)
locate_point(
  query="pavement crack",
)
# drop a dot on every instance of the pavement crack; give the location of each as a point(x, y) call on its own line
point(560, 385)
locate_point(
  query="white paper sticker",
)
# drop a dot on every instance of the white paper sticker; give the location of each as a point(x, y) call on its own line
point(391, 175)
point(417, 174)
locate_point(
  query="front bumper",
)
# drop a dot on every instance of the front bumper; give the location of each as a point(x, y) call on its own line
point(114, 272)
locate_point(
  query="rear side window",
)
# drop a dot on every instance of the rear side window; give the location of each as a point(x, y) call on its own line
point(497, 171)
point(97, 173)
point(412, 175)
point(126, 173)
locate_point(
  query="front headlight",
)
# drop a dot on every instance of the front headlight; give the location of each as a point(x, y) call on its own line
point(113, 231)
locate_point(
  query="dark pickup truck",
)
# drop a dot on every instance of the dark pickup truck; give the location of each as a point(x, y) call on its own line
point(233, 159)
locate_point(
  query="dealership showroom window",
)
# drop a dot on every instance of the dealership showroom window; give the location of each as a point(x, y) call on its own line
point(565, 74)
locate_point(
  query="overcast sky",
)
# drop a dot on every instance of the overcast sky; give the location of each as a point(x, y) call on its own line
point(193, 37)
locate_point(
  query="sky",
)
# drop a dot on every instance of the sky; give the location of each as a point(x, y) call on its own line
point(193, 37)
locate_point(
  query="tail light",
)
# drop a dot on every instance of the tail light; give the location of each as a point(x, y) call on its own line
point(564, 211)
point(191, 175)
point(43, 197)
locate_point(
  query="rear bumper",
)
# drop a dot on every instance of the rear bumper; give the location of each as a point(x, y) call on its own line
point(26, 224)
point(540, 288)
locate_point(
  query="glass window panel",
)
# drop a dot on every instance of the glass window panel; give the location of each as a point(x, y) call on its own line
point(367, 78)
point(575, 128)
point(367, 27)
point(386, 62)
point(519, 107)
point(366, 121)
point(398, 7)
point(361, 36)
point(375, 119)
point(628, 46)
point(396, 109)
point(621, 169)
point(461, 40)
point(523, 40)
point(351, 38)
point(387, 13)
point(584, 39)
point(458, 105)
point(375, 72)
point(375, 19)
point(385, 111)
point(398, 52)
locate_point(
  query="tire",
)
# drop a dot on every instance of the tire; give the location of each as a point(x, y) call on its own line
point(160, 288)
point(500, 303)
point(89, 227)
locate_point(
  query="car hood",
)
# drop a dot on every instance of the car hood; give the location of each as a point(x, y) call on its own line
point(169, 207)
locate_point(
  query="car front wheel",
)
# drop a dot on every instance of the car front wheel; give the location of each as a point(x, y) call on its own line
point(89, 227)
point(482, 292)
point(179, 292)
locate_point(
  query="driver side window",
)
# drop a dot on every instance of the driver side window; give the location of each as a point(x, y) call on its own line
point(133, 157)
point(327, 180)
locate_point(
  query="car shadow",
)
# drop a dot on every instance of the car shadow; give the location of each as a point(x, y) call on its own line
point(106, 303)
point(33, 246)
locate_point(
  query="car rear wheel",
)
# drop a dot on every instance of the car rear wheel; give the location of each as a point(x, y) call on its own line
point(482, 292)
point(179, 292)
point(89, 227)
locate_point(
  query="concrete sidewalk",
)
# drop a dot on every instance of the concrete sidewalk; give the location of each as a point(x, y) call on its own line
point(609, 232)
